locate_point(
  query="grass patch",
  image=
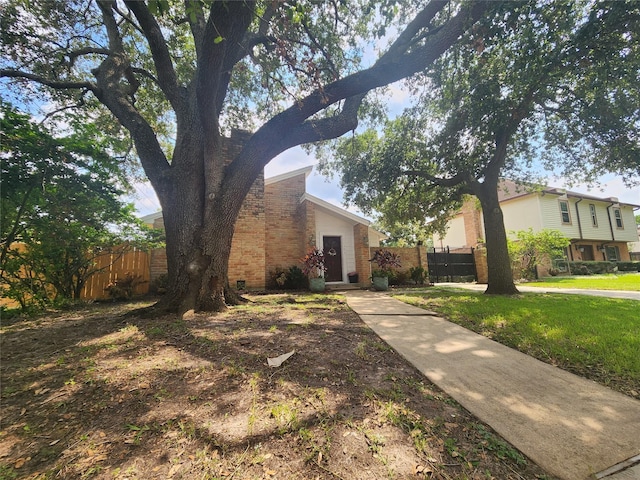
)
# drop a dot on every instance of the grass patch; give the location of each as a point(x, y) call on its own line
point(626, 281)
point(595, 337)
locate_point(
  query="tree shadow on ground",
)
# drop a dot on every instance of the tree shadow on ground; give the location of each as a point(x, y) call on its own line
point(99, 394)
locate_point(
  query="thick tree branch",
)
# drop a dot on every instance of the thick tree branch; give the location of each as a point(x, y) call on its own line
point(322, 129)
point(86, 51)
point(407, 38)
point(459, 179)
point(387, 69)
point(55, 84)
point(197, 23)
point(167, 78)
point(116, 98)
point(222, 41)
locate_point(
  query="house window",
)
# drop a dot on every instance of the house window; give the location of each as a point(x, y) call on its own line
point(618, 216)
point(564, 211)
point(612, 253)
point(594, 217)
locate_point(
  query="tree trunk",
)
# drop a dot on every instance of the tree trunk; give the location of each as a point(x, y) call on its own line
point(199, 231)
point(498, 262)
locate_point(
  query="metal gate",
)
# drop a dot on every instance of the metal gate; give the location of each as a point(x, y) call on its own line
point(448, 266)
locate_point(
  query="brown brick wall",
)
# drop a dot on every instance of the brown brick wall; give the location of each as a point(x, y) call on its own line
point(158, 263)
point(482, 270)
point(409, 256)
point(362, 253)
point(158, 256)
point(288, 223)
point(472, 221)
point(247, 258)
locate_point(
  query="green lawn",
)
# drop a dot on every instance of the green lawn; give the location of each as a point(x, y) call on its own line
point(626, 281)
point(598, 338)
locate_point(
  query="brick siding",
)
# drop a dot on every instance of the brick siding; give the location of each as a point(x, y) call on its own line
point(409, 256)
point(289, 223)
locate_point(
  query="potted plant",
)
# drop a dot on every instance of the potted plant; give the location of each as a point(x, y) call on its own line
point(386, 261)
point(314, 268)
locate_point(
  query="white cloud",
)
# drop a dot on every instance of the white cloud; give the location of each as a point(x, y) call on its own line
point(145, 199)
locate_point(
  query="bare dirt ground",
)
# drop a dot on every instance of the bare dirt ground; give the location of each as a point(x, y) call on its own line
point(97, 393)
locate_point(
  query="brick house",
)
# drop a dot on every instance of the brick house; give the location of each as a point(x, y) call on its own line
point(278, 223)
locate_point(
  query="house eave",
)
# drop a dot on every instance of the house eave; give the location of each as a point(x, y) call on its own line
point(152, 217)
point(335, 210)
point(285, 176)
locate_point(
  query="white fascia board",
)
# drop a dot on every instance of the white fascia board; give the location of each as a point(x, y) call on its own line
point(284, 176)
point(152, 217)
point(336, 210)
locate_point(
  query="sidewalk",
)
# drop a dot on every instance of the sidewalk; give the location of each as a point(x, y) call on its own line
point(571, 427)
point(573, 291)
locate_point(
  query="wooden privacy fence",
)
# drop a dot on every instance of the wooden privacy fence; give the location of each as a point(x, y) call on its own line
point(114, 267)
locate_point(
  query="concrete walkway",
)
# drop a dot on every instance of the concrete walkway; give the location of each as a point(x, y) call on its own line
point(573, 428)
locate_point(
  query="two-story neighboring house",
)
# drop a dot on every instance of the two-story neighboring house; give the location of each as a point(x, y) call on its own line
point(599, 228)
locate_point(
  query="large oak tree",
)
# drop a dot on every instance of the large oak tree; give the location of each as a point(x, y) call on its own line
point(178, 75)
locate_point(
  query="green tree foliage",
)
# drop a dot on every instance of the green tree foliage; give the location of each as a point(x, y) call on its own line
point(180, 75)
point(537, 80)
point(529, 249)
point(61, 207)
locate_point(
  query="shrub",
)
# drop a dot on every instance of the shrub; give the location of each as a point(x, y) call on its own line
point(386, 262)
point(292, 278)
point(295, 279)
point(398, 278)
point(122, 288)
point(629, 266)
point(590, 268)
point(159, 284)
point(313, 264)
point(418, 275)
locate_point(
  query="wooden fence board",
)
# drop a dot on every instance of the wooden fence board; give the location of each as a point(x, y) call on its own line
point(134, 262)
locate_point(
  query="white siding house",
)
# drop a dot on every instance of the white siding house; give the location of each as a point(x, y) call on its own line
point(598, 228)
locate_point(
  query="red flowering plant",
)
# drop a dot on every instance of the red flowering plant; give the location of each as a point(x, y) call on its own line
point(313, 263)
point(386, 261)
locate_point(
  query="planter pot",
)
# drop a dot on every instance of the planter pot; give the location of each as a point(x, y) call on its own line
point(316, 285)
point(353, 278)
point(381, 283)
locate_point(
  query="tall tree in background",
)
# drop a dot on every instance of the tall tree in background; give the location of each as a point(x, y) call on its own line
point(554, 81)
point(177, 75)
point(61, 208)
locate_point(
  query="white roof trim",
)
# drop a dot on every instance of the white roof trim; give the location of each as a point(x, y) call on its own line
point(333, 209)
point(151, 217)
point(285, 176)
